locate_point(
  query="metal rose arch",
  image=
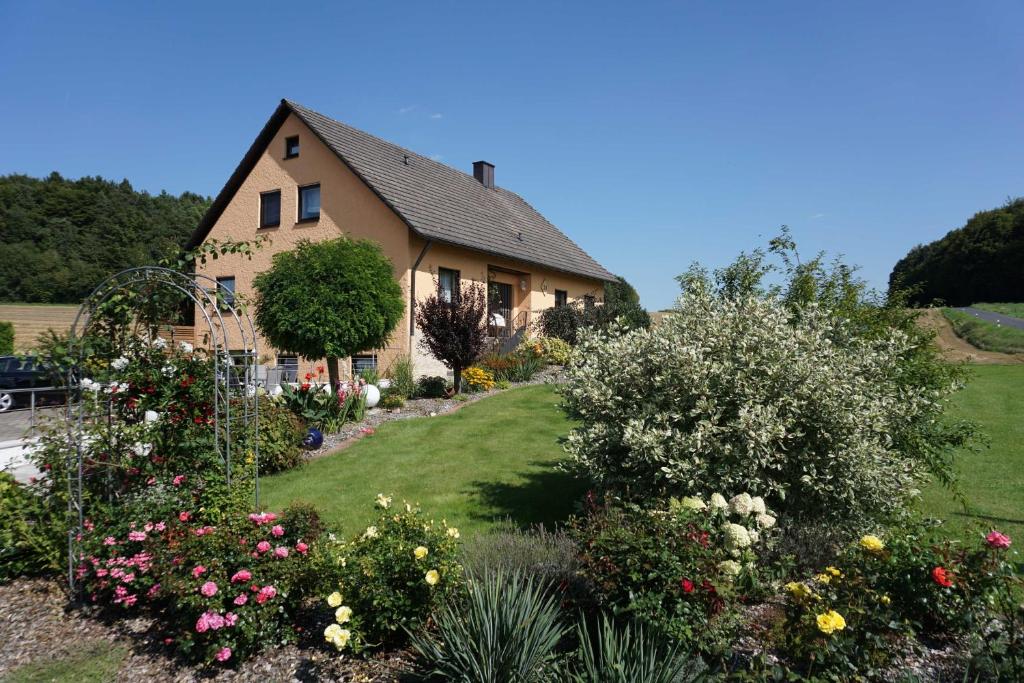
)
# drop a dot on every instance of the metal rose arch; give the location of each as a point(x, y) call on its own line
point(143, 304)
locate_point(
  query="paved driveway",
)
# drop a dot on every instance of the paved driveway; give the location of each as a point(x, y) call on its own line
point(1005, 320)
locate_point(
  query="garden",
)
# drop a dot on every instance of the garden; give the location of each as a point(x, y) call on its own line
point(732, 494)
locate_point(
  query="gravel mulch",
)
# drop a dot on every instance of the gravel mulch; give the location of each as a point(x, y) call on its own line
point(420, 407)
point(38, 625)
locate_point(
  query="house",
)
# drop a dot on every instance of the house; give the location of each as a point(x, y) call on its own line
point(310, 177)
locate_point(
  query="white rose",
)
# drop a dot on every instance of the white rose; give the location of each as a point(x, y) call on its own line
point(185, 347)
point(742, 504)
point(759, 507)
point(168, 370)
point(151, 416)
point(89, 385)
point(119, 364)
point(718, 502)
point(142, 449)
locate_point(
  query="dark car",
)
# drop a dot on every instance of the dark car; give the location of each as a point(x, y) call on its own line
point(22, 373)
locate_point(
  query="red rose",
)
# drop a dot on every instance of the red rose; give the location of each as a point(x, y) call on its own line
point(686, 585)
point(942, 576)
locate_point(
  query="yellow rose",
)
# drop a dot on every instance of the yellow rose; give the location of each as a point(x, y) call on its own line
point(420, 552)
point(334, 599)
point(830, 622)
point(453, 532)
point(432, 577)
point(343, 614)
point(823, 578)
point(833, 571)
point(798, 590)
point(872, 544)
point(341, 637)
point(331, 633)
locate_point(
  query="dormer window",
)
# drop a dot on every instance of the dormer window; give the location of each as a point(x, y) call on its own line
point(291, 147)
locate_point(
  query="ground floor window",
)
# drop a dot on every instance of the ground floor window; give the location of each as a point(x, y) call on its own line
point(363, 362)
point(289, 366)
point(561, 298)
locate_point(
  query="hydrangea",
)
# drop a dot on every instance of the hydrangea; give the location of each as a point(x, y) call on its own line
point(692, 503)
point(718, 502)
point(757, 505)
point(765, 521)
point(729, 567)
point(736, 536)
point(742, 504)
point(185, 347)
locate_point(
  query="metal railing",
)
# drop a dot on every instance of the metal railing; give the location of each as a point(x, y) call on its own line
point(11, 419)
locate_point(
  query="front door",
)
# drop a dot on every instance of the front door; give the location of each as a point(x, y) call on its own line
point(499, 309)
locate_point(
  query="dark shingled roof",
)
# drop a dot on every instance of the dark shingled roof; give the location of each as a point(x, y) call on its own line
point(435, 201)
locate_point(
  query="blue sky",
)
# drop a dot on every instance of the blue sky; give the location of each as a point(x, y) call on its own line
point(654, 134)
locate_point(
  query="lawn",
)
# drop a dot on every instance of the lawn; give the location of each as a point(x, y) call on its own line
point(492, 460)
point(985, 335)
point(1014, 310)
point(992, 479)
point(97, 663)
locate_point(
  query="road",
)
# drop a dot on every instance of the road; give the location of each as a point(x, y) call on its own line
point(1005, 320)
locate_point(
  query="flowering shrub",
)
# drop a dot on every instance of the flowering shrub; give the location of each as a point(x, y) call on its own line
point(478, 379)
point(221, 592)
point(314, 401)
point(549, 349)
point(680, 571)
point(390, 577)
point(742, 394)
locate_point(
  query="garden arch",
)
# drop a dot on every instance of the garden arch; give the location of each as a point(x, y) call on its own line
point(144, 303)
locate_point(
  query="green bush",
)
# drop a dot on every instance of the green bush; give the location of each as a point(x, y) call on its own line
point(549, 349)
point(6, 338)
point(504, 630)
point(561, 322)
point(303, 520)
point(280, 438)
point(391, 400)
point(389, 578)
point(431, 387)
point(403, 381)
point(32, 532)
point(629, 654)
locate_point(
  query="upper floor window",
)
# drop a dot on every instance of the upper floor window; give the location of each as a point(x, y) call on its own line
point(561, 298)
point(291, 147)
point(270, 209)
point(309, 202)
point(448, 284)
point(226, 290)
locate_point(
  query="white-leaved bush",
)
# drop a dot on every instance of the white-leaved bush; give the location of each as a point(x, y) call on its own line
point(741, 395)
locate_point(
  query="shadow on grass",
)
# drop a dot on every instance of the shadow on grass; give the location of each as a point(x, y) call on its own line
point(547, 497)
point(969, 514)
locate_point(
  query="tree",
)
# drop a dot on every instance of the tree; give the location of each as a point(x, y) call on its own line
point(622, 304)
point(454, 331)
point(328, 300)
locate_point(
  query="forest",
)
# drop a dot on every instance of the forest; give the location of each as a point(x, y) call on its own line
point(59, 237)
point(982, 261)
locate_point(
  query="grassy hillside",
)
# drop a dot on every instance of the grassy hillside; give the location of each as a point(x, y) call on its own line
point(985, 335)
point(1015, 310)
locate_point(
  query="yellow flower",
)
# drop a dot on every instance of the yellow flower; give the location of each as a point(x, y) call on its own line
point(371, 532)
point(332, 633)
point(420, 552)
point(872, 544)
point(833, 571)
point(830, 622)
point(338, 637)
point(343, 614)
point(383, 501)
point(432, 577)
point(885, 599)
point(823, 578)
point(798, 590)
point(453, 532)
point(334, 599)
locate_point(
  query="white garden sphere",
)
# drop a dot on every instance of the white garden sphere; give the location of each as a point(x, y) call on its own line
point(372, 395)
point(276, 391)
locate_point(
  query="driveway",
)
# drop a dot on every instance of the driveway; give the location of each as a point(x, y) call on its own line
point(1004, 320)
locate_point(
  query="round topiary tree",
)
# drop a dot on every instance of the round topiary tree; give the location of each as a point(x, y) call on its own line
point(328, 300)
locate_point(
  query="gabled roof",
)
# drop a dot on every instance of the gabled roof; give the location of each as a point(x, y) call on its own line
point(436, 201)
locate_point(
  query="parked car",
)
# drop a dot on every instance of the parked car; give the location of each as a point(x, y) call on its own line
point(27, 372)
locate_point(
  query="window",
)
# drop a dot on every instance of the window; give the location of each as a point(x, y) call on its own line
point(561, 298)
point(363, 362)
point(289, 366)
point(309, 202)
point(448, 284)
point(226, 290)
point(588, 302)
point(291, 147)
point(270, 209)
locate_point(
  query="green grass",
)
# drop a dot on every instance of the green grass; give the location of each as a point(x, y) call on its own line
point(492, 460)
point(985, 335)
point(1015, 310)
point(992, 479)
point(97, 663)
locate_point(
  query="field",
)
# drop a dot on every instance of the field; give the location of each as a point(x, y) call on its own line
point(992, 479)
point(985, 335)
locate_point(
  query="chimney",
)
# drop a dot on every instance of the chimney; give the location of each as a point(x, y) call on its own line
point(484, 172)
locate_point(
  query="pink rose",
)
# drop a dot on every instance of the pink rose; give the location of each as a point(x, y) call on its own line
point(241, 599)
point(183, 516)
point(266, 593)
point(301, 548)
point(209, 589)
point(203, 623)
point(109, 540)
point(160, 526)
point(241, 576)
point(136, 535)
point(198, 571)
point(278, 530)
point(280, 552)
point(997, 540)
point(224, 654)
point(153, 591)
point(230, 619)
point(179, 480)
point(263, 546)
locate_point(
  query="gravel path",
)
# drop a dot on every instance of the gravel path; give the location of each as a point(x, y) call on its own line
point(998, 318)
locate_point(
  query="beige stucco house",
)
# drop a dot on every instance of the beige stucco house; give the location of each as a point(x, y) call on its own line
point(309, 177)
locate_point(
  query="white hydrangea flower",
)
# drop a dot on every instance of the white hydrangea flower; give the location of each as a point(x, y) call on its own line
point(758, 506)
point(729, 567)
point(119, 364)
point(765, 521)
point(159, 343)
point(185, 347)
point(742, 504)
point(754, 536)
point(718, 502)
point(692, 503)
point(736, 536)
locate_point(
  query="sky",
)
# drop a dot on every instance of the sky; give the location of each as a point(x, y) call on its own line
point(653, 134)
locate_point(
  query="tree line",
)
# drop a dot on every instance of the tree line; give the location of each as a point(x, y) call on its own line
point(982, 261)
point(59, 238)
